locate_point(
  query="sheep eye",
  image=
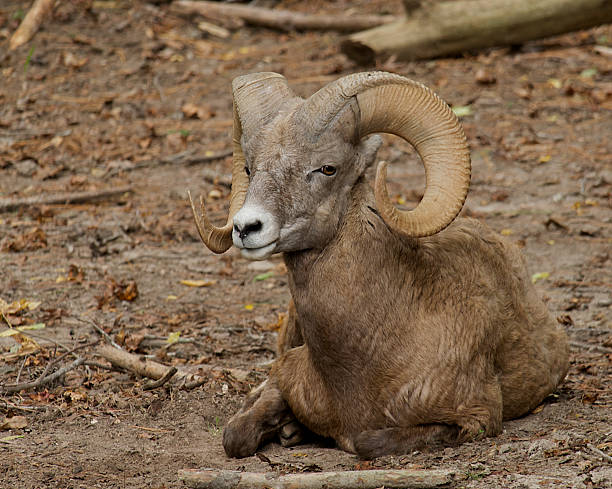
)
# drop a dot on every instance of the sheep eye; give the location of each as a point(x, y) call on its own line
point(247, 171)
point(328, 170)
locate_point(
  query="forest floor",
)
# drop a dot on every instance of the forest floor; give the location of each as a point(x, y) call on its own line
point(126, 96)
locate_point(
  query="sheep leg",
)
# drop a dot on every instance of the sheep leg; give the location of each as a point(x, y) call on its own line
point(400, 440)
point(290, 334)
point(262, 415)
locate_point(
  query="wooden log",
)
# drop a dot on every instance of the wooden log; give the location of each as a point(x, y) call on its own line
point(7, 205)
point(31, 23)
point(451, 27)
point(351, 479)
point(148, 368)
point(280, 19)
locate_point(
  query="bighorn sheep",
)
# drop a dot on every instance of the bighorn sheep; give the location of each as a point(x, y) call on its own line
point(404, 330)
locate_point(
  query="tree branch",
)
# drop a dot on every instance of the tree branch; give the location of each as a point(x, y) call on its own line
point(355, 479)
point(280, 19)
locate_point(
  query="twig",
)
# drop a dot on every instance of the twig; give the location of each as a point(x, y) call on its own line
point(589, 347)
point(44, 380)
point(147, 368)
point(158, 383)
point(281, 19)
point(7, 205)
point(351, 479)
point(602, 454)
point(100, 331)
point(91, 363)
point(183, 158)
point(21, 368)
point(16, 407)
point(31, 23)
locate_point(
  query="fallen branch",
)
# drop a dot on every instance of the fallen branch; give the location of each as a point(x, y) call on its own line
point(280, 19)
point(362, 479)
point(189, 157)
point(451, 27)
point(100, 331)
point(149, 386)
point(43, 380)
point(602, 454)
point(589, 347)
point(7, 205)
point(148, 368)
point(31, 23)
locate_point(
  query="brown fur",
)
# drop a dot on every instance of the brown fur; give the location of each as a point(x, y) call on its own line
point(392, 343)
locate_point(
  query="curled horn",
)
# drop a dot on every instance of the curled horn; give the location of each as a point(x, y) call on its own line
point(396, 105)
point(257, 97)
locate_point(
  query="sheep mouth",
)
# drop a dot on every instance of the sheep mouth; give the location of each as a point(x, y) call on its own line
point(259, 253)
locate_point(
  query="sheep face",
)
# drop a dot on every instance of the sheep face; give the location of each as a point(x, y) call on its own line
point(298, 187)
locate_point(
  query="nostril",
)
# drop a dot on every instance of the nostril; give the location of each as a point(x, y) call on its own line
point(253, 227)
point(248, 228)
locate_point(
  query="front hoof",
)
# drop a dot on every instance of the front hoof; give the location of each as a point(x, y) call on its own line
point(291, 434)
point(239, 442)
point(368, 445)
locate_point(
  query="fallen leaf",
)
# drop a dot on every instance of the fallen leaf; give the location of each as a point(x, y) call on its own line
point(544, 159)
point(126, 291)
point(263, 276)
point(75, 396)
point(14, 423)
point(506, 232)
point(588, 73)
point(198, 283)
point(16, 307)
point(13, 331)
point(8, 439)
point(539, 276)
point(30, 241)
point(249, 307)
point(173, 337)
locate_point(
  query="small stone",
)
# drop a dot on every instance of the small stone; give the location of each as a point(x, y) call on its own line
point(589, 230)
point(26, 168)
point(485, 77)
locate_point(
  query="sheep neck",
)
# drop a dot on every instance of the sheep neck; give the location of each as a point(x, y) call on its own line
point(330, 284)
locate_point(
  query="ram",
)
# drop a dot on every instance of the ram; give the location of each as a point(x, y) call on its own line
point(406, 329)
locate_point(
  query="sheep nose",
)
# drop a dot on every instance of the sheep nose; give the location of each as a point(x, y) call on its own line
point(247, 228)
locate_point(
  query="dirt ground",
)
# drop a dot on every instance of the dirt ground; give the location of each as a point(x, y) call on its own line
point(126, 95)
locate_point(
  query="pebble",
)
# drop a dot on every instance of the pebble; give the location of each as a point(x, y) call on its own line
point(26, 168)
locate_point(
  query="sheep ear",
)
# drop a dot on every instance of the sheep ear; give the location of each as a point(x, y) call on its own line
point(367, 149)
point(257, 99)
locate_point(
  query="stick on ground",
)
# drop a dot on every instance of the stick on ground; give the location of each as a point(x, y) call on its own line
point(31, 22)
point(281, 19)
point(449, 27)
point(45, 379)
point(149, 386)
point(147, 368)
point(7, 205)
point(355, 479)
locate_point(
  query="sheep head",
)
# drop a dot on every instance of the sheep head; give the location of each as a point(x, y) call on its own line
point(295, 160)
